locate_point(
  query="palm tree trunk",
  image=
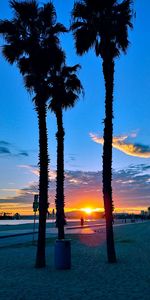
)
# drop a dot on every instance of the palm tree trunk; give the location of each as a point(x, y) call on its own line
point(108, 70)
point(43, 186)
point(60, 215)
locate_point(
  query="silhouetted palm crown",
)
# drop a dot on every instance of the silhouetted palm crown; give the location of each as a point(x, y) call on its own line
point(101, 24)
point(64, 88)
point(32, 42)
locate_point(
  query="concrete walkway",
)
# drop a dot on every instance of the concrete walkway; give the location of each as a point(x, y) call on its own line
point(22, 235)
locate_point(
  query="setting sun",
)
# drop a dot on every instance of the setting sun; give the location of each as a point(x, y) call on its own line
point(88, 210)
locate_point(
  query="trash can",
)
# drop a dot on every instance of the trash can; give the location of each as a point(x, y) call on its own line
point(63, 254)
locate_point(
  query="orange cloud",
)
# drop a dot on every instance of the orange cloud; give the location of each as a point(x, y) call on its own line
point(121, 143)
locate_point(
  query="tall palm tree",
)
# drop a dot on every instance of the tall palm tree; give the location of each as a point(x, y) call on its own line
point(31, 41)
point(65, 90)
point(103, 25)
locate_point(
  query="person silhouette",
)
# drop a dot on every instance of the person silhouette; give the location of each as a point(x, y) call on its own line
point(82, 221)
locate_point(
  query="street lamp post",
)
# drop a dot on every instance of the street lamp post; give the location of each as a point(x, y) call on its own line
point(35, 209)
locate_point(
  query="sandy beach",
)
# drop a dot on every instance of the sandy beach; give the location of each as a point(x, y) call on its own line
point(90, 277)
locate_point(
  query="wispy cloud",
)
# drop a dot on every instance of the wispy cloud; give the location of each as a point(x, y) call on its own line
point(4, 143)
point(71, 161)
point(4, 150)
point(23, 153)
point(30, 168)
point(123, 144)
point(9, 150)
point(35, 170)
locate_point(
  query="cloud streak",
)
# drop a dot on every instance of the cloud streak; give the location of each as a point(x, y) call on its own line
point(4, 150)
point(33, 169)
point(123, 144)
point(9, 150)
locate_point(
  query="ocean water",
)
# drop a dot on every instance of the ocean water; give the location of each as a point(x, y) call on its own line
point(21, 222)
point(30, 221)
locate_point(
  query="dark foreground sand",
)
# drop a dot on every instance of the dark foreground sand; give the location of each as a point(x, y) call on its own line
point(91, 277)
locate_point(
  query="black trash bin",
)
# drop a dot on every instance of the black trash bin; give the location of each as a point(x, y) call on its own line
point(63, 254)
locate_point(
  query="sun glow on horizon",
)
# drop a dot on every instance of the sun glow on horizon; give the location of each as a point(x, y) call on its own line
point(88, 210)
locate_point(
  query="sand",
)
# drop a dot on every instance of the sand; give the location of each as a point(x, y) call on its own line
point(90, 277)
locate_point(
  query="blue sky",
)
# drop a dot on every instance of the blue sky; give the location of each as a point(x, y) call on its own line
point(18, 122)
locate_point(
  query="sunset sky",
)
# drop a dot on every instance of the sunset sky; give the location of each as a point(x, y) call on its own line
point(83, 127)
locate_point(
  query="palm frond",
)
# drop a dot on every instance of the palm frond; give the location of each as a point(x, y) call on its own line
point(25, 9)
point(69, 70)
point(30, 82)
point(24, 65)
point(7, 28)
point(126, 12)
point(80, 10)
point(70, 100)
point(124, 16)
point(84, 39)
point(59, 28)
point(77, 25)
point(47, 14)
point(11, 53)
point(74, 84)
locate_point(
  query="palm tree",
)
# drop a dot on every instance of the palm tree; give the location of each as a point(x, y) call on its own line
point(65, 90)
point(103, 25)
point(31, 41)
